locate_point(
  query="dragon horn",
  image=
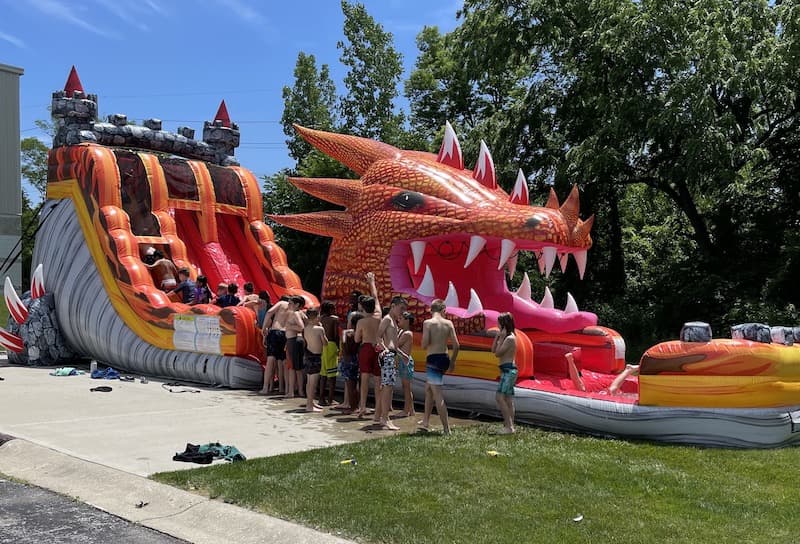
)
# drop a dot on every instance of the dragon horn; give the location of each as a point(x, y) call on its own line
point(334, 224)
point(15, 307)
point(342, 192)
point(37, 282)
point(356, 153)
point(11, 341)
point(450, 152)
point(582, 230)
point(552, 200)
point(484, 168)
point(520, 193)
point(571, 207)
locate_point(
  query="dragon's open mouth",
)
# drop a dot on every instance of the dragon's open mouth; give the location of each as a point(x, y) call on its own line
point(468, 272)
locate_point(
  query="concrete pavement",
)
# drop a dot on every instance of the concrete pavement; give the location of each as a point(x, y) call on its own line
point(98, 447)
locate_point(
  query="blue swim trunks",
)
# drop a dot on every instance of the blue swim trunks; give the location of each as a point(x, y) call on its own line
point(348, 367)
point(406, 369)
point(508, 378)
point(435, 367)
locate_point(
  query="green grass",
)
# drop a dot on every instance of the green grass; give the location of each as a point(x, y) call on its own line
point(430, 488)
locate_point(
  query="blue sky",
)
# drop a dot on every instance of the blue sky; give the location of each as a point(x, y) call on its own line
point(176, 59)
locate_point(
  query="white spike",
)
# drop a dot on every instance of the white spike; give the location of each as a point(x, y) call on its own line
point(37, 282)
point(15, 306)
point(475, 304)
point(451, 301)
point(507, 247)
point(484, 169)
point(520, 193)
point(450, 152)
point(580, 260)
point(547, 301)
point(571, 306)
point(427, 288)
point(511, 265)
point(549, 255)
point(418, 250)
point(562, 261)
point(524, 291)
point(476, 244)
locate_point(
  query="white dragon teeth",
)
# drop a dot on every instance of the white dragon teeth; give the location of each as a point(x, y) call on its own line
point(451, 301)
point(475, 304)
point(580, 260)
point(418, 250)
point(476, 244)
point(572, 306)
point(549, 256)
point(563, 258)
point(427, 288)
point(547, 301)
point(507, 247)
point(511, 265)
point(524, 291)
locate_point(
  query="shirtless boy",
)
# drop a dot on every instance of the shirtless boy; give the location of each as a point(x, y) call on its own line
point(314, 335)
point(405, 368)
point(388, 333)
point(250, 299)
point(274, 332)
point(330, 353)
point(295, 323)
point(163, 271)
point(367, 335)
point(436, 332)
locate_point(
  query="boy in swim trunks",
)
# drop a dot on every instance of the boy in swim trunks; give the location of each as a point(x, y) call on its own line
point(330, 353)
point(349, 364)
point(274, 332)
point(315, 341)
point(388, 333)
point(504, 347)
point(436, 333)
point(405, 343)
point(366, 333)
point(295, 323)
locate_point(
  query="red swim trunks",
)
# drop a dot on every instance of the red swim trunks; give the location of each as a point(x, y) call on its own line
point(368, 360)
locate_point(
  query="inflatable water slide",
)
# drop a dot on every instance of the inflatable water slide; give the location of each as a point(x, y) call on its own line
point(115, 190)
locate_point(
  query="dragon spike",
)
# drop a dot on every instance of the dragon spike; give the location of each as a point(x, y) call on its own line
point(451, 300)
point(552, 200)
point(547, 300)
point(356, 153)
point(484, 168)
point(342, 192)
point(582, 230)
point(571, 207)
point(334, 224)
point(11, 342)
point(524, 291)
point(15, 307)
point(37, 282)
point(571, 306)
point(450, 152)
point(520, 193)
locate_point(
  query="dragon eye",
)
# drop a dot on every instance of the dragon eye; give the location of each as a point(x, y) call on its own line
point(408, 200)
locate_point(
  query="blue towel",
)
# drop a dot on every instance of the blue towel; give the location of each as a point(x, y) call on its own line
point(105, 374)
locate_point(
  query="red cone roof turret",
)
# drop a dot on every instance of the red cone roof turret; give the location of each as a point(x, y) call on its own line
point(222, 115)
point(73, 82)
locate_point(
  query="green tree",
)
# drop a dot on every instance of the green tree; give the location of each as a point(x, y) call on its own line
point(33, 162)
point(374, 71)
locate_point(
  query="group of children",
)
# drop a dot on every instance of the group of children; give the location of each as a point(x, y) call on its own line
point(370, 346)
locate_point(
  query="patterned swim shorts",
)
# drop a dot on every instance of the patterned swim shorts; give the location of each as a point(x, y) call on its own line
point(388, 368)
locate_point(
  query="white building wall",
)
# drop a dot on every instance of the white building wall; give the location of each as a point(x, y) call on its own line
point(10, 181)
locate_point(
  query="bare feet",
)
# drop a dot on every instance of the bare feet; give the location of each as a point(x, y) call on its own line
point(507, 430)
point(423, 425)
point(360, 414)
point(389, 426)
point(313, 408)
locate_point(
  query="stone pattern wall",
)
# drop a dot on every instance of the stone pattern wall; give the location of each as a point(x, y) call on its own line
point(75, 121)
point(44, 343)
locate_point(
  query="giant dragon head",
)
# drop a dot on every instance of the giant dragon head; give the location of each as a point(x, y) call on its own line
point(429, 228)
